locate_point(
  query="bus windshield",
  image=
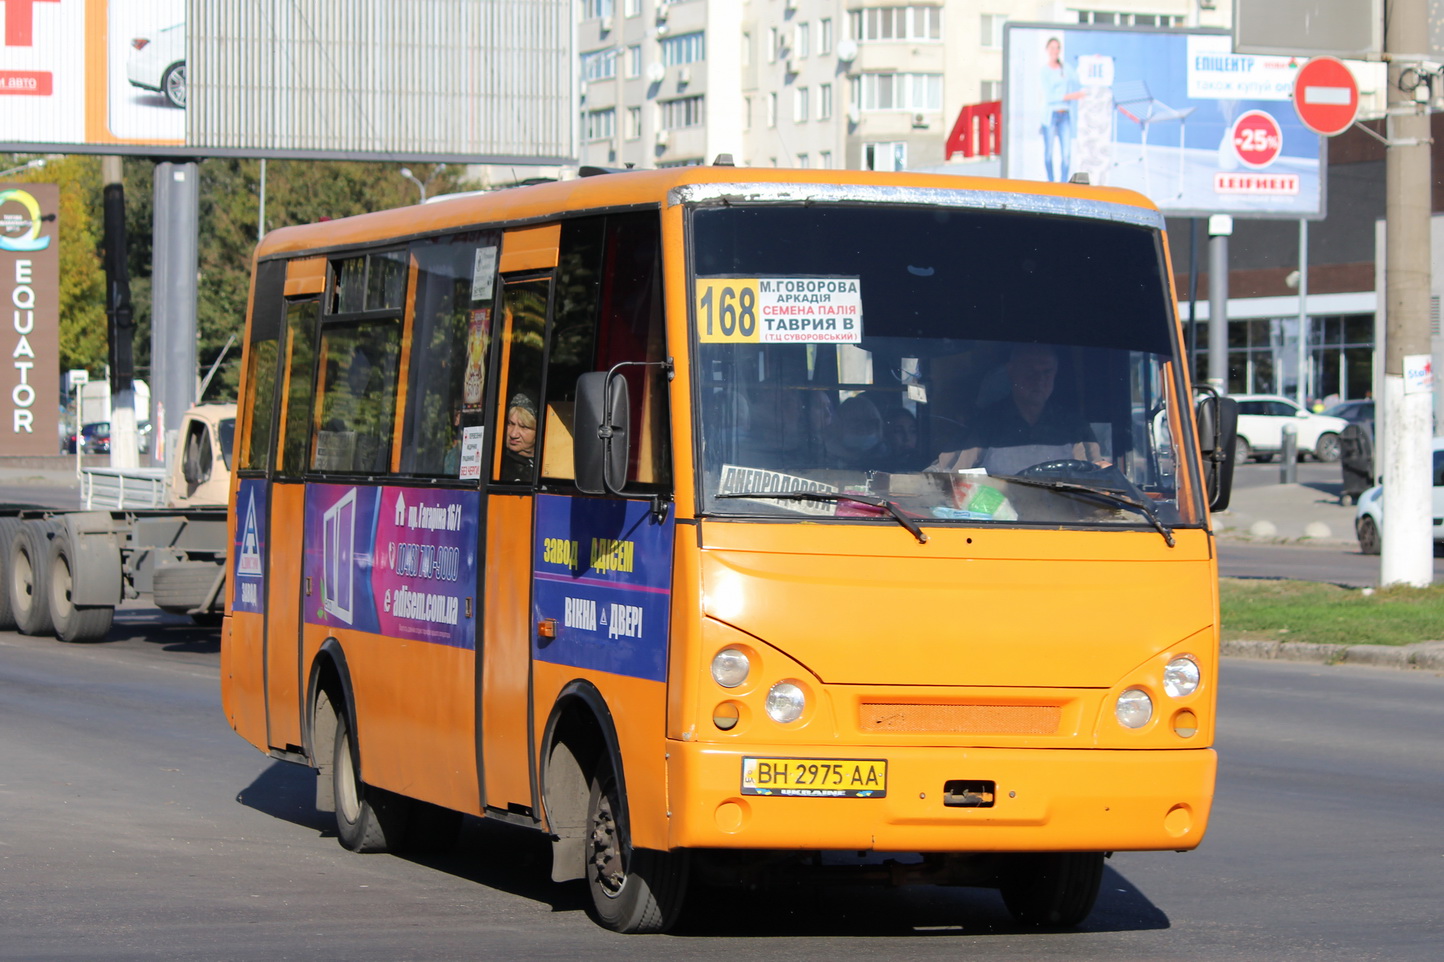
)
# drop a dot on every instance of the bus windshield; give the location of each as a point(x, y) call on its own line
point(952, 365)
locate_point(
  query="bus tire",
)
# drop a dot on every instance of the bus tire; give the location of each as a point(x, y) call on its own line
point(633, 890)
point(1054, 890)
point(28, 561)
point(9, 528)
point(368, 819)
point(73, 623)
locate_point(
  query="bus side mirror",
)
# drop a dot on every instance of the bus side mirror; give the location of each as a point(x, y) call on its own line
point(601, 448)
point(1217, 419)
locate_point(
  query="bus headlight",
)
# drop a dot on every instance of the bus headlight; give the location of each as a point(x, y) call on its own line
point(1134, 708)
point(785, 702)
point(730, 667)
point(1180, 677)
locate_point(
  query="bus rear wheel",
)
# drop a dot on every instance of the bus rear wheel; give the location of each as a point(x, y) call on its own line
point(368, 819)
point(1054, 890)
point(633, 890)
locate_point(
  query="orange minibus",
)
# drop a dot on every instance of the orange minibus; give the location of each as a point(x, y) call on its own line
point(714, 522)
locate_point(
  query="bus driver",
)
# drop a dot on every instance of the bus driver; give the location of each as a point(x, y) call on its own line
point(1024, 428)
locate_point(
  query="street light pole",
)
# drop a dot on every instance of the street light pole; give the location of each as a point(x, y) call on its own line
point(406, 172)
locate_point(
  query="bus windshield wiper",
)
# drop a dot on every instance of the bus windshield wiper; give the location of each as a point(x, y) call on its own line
point(836, 496)
point(1102, 494)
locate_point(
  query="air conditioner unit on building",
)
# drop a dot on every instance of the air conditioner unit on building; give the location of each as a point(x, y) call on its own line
point(920, 122)
point(1207, 4)
point(606, 25)
point(662, 11)
point(854, 115)
point(684, 76)
point(663, 136)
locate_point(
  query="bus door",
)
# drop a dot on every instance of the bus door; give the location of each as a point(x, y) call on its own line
point(528, 258)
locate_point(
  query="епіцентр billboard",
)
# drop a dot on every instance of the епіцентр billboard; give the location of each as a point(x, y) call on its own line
point(1174, 115)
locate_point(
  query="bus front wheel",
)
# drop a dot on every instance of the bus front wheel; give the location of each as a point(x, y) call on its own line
point(633, 890)
point(1054, 890)
point(367, 819)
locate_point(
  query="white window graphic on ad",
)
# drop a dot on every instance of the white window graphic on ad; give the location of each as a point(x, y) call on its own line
point(338, 534)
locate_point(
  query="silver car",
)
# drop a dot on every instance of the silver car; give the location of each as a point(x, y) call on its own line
point(1369, 517)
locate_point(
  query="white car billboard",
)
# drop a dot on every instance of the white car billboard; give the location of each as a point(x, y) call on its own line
point(1174, 115)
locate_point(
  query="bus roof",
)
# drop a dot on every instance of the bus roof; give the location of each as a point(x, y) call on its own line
point(522, 205)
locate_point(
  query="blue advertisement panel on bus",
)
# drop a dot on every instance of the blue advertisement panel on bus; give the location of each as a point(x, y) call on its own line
point(603, 574)
point(399, 562)
point(248, 553)
point(1175, 115)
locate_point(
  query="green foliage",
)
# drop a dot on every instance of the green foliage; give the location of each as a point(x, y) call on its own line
point(1329, 614)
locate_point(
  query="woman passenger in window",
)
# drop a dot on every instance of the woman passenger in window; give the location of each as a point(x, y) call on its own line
point(518, 456)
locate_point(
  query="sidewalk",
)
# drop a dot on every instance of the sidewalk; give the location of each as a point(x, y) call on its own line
point(1306, 513)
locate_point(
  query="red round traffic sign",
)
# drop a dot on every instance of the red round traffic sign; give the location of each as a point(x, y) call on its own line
point(1326, 96)
point(1257, 138)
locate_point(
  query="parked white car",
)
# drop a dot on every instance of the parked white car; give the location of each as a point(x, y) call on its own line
point(158, 62)
point(1369, 517)
point(1261, 420)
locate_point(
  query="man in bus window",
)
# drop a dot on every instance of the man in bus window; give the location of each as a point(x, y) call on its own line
point(1027, 426)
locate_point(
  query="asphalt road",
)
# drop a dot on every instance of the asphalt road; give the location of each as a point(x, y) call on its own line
point(135, 825)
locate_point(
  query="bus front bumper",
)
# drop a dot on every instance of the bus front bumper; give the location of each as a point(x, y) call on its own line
point(937, 800)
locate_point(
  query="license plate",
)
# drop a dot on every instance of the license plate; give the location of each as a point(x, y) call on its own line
point(815, 777)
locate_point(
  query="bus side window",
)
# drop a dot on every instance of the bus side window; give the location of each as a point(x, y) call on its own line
point(360, 366)
point(524, 315)
point(449, 351)
point(262, 358)
point(609, 310)
point(298, 386)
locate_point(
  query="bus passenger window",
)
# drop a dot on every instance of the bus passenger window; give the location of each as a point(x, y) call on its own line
point(359, 368)
point(449, 353)
point(261, 361)
point(300, 366)
point(524, 316)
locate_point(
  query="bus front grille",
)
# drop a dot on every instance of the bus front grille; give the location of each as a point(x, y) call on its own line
point(902, 717)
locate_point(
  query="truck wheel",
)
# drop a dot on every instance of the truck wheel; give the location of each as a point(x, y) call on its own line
point(1053, 890)
point(29, 559)
point(78, 623)
point(9, 528)
point(180, 587)
point(368, 819)
point(633, 890)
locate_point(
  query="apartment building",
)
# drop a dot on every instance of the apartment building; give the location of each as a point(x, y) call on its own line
point(866, 84)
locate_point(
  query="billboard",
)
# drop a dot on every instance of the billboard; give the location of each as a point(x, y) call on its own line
point(1174, 115)
point(470, 81)
point(30, 332)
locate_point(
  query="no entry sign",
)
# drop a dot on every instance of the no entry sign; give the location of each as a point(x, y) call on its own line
point(1326, 96)
point(1257, 139)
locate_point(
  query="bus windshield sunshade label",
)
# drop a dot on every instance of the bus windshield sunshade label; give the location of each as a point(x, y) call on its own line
point(779, 310)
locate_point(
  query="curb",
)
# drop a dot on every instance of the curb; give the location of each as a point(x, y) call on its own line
point(1426, 655)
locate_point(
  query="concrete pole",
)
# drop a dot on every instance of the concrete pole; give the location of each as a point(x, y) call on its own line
point(1407, 555)
point(1220, 226)
point(173, 303)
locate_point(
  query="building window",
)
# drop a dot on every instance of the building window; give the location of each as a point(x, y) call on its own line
point(771, 44)
point(800, 103)
point(599, 65)
point(634, 60)
point(1130, 19)
point(901, 91)
point(803, 161)
point(885, 156)
point(804, 40)
point(684, 48)
point(634, 123)
point(897, 23)
point(824, 102)
point(593, 9)
point(746, 113)
point(772, 111)
point(991, 34)
point(686, 112)
point(601, 124)
point(746, 49)
point(990, 90)
point(824, 29)
point(824, 159)
point(632, 8)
